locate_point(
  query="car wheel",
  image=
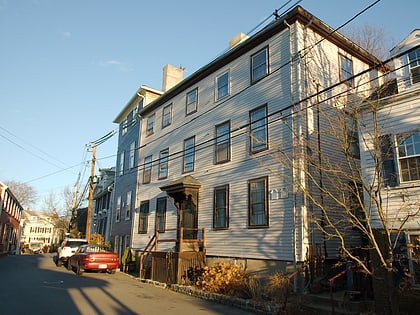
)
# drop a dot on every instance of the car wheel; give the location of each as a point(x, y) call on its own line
point(79, 270)
point(69, 267)
point(112, 271)
point(59, 262)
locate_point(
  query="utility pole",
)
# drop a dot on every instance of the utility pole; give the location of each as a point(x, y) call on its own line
point(90, 199)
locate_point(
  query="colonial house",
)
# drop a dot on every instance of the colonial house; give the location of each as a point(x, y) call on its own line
point(11, 212)
point(102, 197)
point(224, 158)
point(125, 187)
point(397, 136)
point(36, 227)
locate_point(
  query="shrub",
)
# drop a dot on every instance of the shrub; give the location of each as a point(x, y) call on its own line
point(224, 278)
point(277, 287)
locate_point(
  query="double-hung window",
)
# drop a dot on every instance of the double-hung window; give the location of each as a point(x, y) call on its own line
point(222, 85)
point(257, 202)
point(414, 60)
point(221, 207)
point(147, 171)
point(192, 101)
point(222, 150)
point(409, 156)
point(143, 217)
point(124, 126)
point(189, 154)
point(346, 70)
point(128, 206)
point(259, 65)
point(259, 129)
point(118, 210)
point(121, 164)
point(132, 154)
point(167, 115)
point(160, 214)
point(163, 164)
point(150, 125)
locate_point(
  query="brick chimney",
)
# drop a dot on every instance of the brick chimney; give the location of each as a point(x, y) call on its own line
point(171, 76)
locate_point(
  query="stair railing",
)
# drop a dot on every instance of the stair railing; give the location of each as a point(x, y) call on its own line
point(331, 283)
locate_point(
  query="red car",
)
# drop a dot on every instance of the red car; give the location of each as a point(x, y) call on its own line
point(93, 257)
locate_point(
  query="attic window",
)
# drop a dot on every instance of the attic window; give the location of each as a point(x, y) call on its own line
point(414, 59)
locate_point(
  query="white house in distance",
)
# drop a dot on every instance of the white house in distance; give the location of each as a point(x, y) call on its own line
point(206, 159)
point(399, 134)
point(37, 227)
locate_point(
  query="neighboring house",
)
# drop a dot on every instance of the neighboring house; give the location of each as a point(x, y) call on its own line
point(125, 187)
point(36, 227)
point(205, 162)
point(398, 113)
point(102, 200)
point(11, 212)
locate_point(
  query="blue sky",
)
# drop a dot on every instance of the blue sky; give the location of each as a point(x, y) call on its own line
point(67, 68)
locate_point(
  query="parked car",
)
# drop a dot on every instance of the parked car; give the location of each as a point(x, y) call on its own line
point(35, 247)
point(67, 249)
point(93, 257)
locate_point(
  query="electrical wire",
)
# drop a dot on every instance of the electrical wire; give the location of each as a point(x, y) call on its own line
point(245, 127)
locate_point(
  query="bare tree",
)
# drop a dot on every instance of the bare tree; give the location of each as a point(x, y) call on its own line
point(25, 193)
point(372, 39)
point(349, 210)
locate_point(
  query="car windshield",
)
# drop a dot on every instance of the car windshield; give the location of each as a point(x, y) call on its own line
point(35, 245)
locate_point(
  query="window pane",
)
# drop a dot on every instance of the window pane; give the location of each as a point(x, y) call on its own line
point(150, 125)
point(167, 115)
point(259, 130)
point(147, 173)
point(160, 214)
point(132, 152)
point(163, 163)
point(192, 102)
point(346, 70)
point(259, 65)
point(189, 152)
point(223, 143)
point(143, 217)
point(223, 85)
point(221, 207)
point(258, 207)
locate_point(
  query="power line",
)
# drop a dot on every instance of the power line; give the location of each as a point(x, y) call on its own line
point(244, 128)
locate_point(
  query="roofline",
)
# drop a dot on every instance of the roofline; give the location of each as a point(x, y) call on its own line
point(297, 14)
point(130, 105)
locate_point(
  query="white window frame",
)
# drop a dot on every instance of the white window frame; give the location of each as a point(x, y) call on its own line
point(121, 164)
point(167, 115)
point(147, 170)
point(118, 210)
point(163, 163)
point(189, 155)
point(191, 102)
point(150, 125)
point(128, 205)
point(414, 63)
point(222, 143)
point(222, 88)
point(131, 159)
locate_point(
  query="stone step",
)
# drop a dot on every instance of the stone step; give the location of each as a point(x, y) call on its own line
point(345, 302)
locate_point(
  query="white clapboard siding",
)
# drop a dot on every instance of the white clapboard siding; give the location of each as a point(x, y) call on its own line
point(286, 84)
